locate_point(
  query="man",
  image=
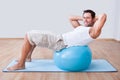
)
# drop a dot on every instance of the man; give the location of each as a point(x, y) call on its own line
point(81, 35)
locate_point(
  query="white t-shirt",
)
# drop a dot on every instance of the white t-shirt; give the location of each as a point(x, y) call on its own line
point(79, 36)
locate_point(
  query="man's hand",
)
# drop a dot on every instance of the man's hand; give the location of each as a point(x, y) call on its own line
point(95, 19)
point(75, 20)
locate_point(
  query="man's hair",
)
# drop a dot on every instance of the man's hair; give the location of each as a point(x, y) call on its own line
point(89, 11)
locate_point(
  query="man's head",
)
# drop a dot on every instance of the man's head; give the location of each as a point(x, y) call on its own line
point(88, 17)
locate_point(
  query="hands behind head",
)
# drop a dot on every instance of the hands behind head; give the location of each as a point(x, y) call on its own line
point(95, 19)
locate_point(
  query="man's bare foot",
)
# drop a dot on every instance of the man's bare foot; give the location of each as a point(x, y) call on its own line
point(27, 60)
point(16, 67)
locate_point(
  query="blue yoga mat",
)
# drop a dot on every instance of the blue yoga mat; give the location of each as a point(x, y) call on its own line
point(98, 65)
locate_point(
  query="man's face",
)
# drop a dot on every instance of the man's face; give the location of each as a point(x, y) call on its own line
point(87, 19)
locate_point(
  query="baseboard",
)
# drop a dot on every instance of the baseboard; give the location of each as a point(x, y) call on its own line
point(11, 38)
point(118, 41)
point(107, 39)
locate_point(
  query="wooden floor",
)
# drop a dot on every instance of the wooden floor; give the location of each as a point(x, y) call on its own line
point(106, 49)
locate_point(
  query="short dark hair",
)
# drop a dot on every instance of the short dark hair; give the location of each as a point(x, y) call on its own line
point(90, 11)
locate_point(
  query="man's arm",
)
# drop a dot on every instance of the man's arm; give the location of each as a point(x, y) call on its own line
point(75, 21)
point(97, 27)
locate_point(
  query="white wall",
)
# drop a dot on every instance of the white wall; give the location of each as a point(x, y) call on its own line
point(19, 16)
point(117, 21)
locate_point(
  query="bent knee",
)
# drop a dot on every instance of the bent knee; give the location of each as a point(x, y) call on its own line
point(28, 37)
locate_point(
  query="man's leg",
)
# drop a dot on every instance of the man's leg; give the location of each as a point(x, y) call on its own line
point(28, 58)
point(26, 48)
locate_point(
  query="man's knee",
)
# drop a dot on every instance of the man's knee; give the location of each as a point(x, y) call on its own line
point(29, 38)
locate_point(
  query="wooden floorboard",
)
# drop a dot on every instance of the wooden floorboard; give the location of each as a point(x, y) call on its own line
point(106, 49)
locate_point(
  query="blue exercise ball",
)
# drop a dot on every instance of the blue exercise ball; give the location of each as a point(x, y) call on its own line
point(76, 58)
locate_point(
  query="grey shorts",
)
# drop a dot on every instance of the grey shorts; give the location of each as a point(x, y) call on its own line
point(46, 39)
